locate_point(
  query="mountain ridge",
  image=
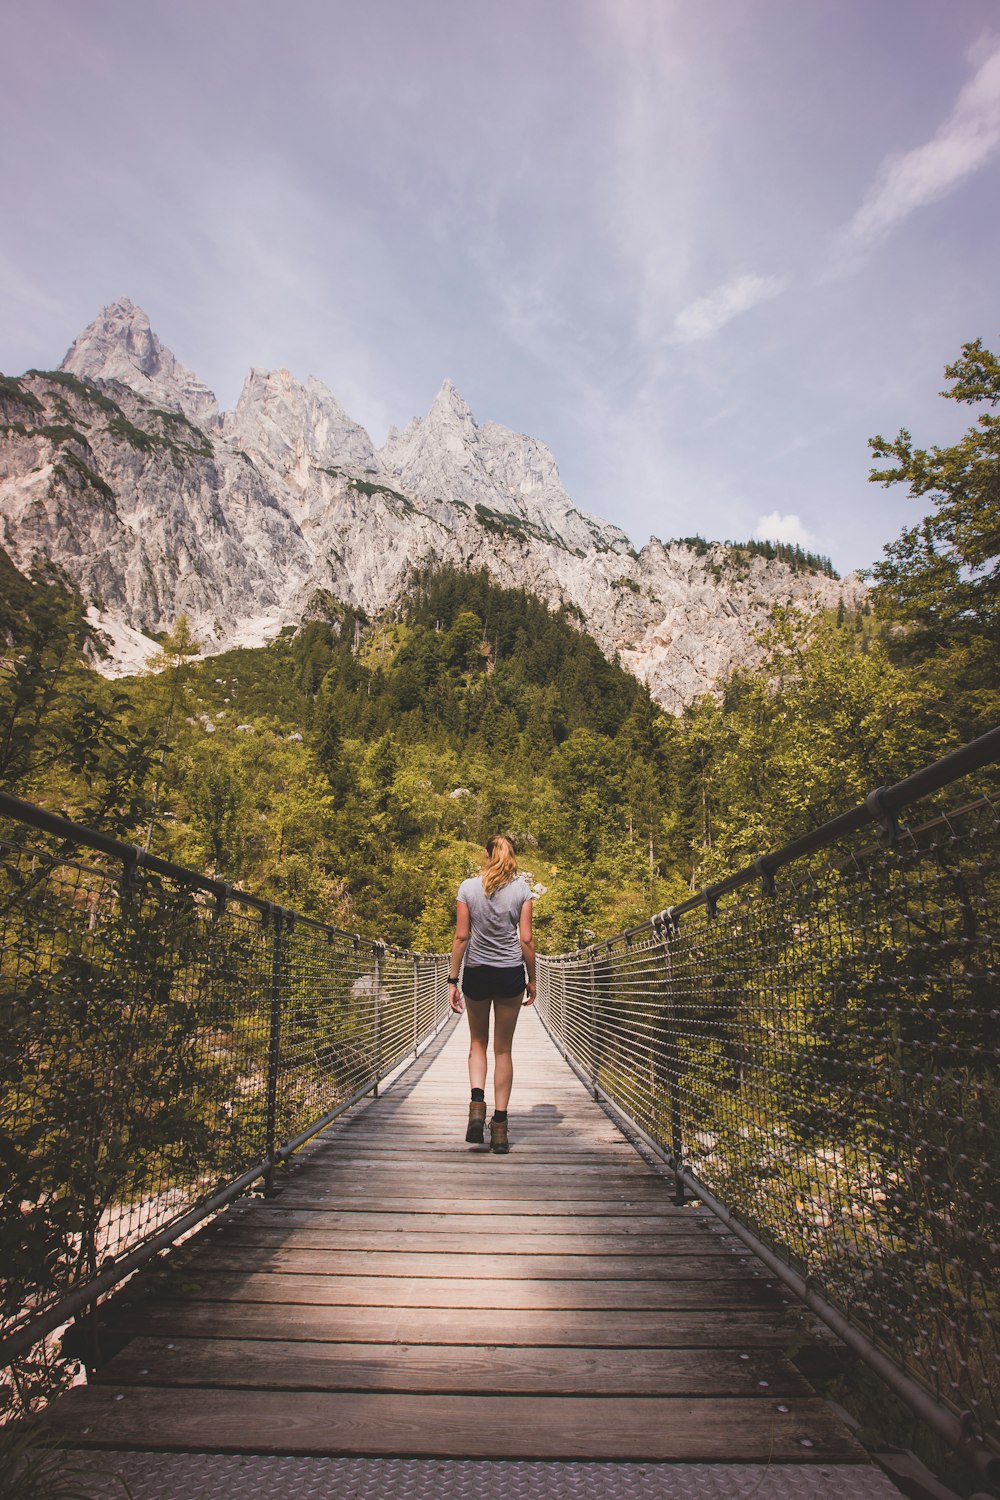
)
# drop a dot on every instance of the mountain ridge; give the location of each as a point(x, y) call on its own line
point(121, 469)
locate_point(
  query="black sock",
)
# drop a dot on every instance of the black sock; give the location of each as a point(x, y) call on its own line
point(499, 1114)
point(478, 1096)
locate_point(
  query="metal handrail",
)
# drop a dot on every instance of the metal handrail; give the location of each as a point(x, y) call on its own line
point(690, 1031)
point(128, 975)
point(132, 856)
point(817, 1060)
point(879, 807)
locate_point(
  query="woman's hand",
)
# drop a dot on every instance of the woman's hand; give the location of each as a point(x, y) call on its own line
point(529, 994)
point(455, 999)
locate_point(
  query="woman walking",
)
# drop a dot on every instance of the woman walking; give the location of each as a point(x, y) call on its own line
point(493, 934)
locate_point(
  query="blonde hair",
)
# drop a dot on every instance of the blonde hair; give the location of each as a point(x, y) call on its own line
point(501, 863)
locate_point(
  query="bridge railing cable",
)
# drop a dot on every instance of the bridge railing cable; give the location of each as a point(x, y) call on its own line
point(813, 1045)
point(167, 1041)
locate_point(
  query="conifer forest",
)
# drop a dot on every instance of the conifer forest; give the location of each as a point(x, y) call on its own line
point(353, 767)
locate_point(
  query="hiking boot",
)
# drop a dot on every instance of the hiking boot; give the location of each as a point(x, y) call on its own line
point(498, 1137)
point(477, 1119)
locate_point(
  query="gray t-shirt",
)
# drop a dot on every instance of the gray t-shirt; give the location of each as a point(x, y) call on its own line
point(494, 921)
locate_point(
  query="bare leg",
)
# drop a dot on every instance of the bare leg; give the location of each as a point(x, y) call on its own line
point(505, 1014)
point(478, 1012)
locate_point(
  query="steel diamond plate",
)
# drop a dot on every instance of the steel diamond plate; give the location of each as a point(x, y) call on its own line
point(201, 1476)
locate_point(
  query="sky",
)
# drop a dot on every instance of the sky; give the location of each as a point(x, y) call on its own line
point(704, 249)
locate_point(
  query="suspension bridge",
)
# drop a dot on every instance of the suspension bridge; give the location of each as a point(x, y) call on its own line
point(757, 1125)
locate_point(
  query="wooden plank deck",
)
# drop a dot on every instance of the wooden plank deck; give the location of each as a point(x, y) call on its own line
point(406, 1294)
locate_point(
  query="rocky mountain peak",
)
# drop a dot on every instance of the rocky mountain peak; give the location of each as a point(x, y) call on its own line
point(244, 521)
point(297, 428)
point(433, 451)
point(497, 472)
point(449, 408)
point(120, 345)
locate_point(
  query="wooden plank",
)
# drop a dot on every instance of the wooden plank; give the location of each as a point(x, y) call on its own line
point(271, 1212)
point(390, 1291)
point(478, 1159)
point(652, 1428)
point(380, 1148)
point(406, 1294)
point(470, 1206)
point(622, 1246)
point(485, 1263)
point(444, 1124)
point(450, 1144)
point(480, 1196)
point(446, 1131)
point(480, 1172)
point(679, 1328)
point(485, 1170)
point(449, 1129)
point(463, 1157)
point(287, 1365)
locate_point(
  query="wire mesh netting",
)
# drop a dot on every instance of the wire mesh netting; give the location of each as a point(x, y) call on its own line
point(157, 1044)
point(824, 1061)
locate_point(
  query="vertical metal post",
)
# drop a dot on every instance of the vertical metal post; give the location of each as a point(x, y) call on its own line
point(592, 982)
point(377, 1018)
point(274, 1045)
point(673, 1064)
point(416, 1005)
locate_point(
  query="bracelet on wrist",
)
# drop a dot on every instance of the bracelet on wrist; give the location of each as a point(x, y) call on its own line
point(452, 981)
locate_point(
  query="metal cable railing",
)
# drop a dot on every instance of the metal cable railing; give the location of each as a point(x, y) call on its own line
point(817, 1058)
point(165, 1041)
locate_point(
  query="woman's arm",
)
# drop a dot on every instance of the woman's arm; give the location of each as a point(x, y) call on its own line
point(527, 950)
point(459, 944)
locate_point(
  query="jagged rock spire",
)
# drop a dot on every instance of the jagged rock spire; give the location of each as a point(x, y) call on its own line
point(289, 504)
point(120, 345)
point(298, 428)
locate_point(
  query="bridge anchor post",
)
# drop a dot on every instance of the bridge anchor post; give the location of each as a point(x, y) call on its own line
point(274, 917)
point(666, 926)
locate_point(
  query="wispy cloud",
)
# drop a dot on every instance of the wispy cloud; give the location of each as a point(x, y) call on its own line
point(779, 528)
point(650, 178)
point(961, 146)
point(703, 318)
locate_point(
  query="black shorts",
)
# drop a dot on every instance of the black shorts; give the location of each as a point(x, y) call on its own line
point(491, 982)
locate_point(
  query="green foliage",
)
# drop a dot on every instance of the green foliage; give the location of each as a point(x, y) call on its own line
point(66, 737)
point(698, 544)
point(354, 771)
point(112, 1086)
point(20, 408)
point(85, 389)
point(795, 556)
point(826, 717)
point(73, 472)
point(845, 703)
point(943, 575)
point(180, 430)
point(506, 523)
point(361, 765)
point(13, 393)
point(20, 598)
point(940, 579)
point(136, 437)
point(367, 487)
point(55, 433)
point(32, 1467)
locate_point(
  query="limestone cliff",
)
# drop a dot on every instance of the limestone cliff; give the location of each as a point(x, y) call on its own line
point(120, 468)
